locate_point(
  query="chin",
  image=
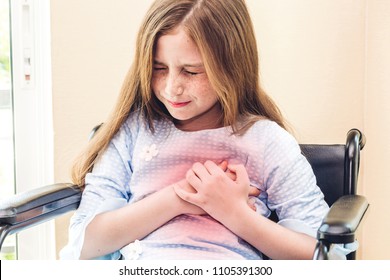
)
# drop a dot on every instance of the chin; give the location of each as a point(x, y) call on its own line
point(179, 117)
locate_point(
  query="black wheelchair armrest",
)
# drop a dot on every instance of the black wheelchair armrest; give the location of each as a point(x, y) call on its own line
point(36, 206)
point(343, 219)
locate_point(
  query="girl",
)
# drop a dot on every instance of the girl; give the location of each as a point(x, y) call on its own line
point(169, 174)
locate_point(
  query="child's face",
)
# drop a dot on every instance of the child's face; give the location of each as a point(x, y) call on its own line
point(181, 83)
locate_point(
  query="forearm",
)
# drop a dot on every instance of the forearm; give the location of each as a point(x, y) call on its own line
point(112, 230)
point(218, 194)
point(270, 238)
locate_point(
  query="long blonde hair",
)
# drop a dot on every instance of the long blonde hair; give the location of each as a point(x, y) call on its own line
point(224, 34)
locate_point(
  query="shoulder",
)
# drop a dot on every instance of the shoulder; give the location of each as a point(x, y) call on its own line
point(136, 121)
point(273, 137)
point(129, 129)
point(270, 131)
point(133, 121)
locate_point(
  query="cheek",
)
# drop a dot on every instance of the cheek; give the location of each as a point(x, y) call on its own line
point(157, 83)
point(154, 85)
point(156, 89)
point(205, 91)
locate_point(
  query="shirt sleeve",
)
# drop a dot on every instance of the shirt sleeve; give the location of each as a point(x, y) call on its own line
point(292, 189)
point(290, 182)
point(106, 188)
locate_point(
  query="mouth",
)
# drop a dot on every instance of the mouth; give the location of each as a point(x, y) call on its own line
point(178, 104)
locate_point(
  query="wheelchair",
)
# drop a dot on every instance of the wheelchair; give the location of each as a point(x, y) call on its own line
point(336, 168)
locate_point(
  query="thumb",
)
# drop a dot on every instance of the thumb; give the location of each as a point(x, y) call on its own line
point(185, 195)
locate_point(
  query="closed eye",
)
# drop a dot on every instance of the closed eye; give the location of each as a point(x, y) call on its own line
point(191, 73)
point(159, 68)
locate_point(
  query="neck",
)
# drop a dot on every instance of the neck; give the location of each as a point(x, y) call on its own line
point(203, 121)
point(190, 125)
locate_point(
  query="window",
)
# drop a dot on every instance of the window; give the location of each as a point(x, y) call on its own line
point(7, 182)
point(27, 116)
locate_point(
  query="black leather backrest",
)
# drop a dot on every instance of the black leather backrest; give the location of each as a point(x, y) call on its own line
point(327, 162)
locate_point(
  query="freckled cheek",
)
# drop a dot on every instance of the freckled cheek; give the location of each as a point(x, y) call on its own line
point(157, 85)
point(202, 91)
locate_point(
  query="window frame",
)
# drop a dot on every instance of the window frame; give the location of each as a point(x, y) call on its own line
point(33, 117)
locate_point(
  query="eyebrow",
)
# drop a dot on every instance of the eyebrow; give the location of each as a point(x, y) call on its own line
point(196, 65)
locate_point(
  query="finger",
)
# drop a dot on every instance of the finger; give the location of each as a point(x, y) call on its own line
point(213, 168)
point(183, 194)
point(231, 175)
point(253, 191)
point(183, 184)
point(223, 165)
point(193, 179)
point(187, 196)
point(241, 174)
point(252, 203)
point(200, 170)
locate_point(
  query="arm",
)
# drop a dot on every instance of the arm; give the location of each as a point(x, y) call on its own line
point(105, 221)
point(126, 224)
point(112, 230)
point(218, 194)
point(275, 241)
point(294, 246)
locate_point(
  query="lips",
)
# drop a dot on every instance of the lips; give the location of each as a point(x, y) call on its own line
point(178, 104)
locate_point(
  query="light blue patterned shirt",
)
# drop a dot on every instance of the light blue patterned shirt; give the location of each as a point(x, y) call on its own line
point(138, 163)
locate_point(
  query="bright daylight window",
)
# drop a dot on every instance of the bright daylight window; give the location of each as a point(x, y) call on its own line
point(26, 128)
point(7, 182)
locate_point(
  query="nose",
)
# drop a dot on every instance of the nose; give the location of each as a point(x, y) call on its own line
point(173, 86)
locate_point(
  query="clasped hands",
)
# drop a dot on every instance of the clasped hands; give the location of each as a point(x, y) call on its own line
point(215, 189)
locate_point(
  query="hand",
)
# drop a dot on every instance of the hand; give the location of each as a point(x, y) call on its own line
point(216, 191)
point(253, 191)
point(187, 207)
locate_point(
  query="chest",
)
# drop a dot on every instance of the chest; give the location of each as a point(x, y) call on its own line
point(161, 159)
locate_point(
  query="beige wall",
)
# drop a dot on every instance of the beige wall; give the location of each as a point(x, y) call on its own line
point(324, 62)
point(92, 48)
point(377, 127)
